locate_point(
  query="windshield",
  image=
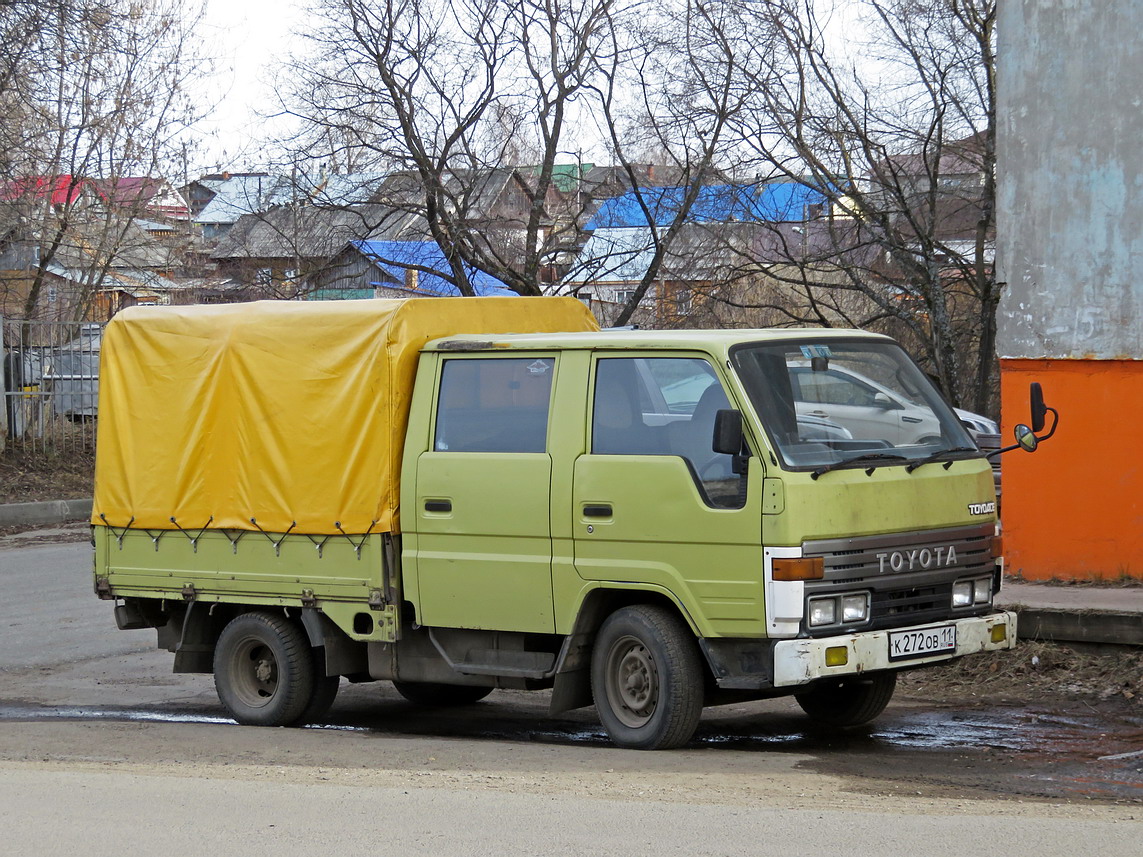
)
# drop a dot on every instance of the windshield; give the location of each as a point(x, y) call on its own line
point(826, 402)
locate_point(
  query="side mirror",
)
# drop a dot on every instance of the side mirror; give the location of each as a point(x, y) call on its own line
point(880, 400)
point(727, 432)
point(1039, 409)
point(1026, 438)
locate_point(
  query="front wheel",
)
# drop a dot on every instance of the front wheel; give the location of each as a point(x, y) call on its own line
point(264, 670)
point(646, 678)
point(849, 701)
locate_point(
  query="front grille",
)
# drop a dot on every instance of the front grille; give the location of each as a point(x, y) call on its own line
point(909, 575)
point(880, 556)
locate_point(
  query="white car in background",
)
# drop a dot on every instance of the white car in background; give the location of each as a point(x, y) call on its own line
point(872, 411)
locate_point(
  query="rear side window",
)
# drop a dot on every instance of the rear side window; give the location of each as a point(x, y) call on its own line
point(494, 405)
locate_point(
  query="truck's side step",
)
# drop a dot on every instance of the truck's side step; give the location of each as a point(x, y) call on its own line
point(491, 653)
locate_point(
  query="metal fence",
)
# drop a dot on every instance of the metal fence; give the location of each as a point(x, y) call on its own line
point(50, 384)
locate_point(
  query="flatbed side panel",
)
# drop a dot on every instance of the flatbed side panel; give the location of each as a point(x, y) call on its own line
point(342, 576)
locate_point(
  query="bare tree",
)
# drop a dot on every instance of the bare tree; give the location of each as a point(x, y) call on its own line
point(101, 90)
point(483, 109)
point(671, 69)
point(895, 127)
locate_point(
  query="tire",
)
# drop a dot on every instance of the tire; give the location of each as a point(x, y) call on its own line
point(850, 701)
point(431, 693)
point(646, 678)
point(321, 699)
point(264, 670)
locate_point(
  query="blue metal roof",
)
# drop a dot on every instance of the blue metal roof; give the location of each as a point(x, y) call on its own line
point(394, 258)
point(771, 202)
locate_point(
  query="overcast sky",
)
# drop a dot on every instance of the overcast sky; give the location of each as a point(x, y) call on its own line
point(247, 37)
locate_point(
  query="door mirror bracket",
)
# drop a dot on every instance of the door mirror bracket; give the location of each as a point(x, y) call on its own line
point(1026, 437)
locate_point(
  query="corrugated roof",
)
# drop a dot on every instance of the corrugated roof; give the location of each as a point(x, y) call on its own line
point(619, 255)
point(311, 232)
point(348, 189)
point(61, 190)
point(396, 258)
point(699, 252)
point(474, 192)
point(768, 202)
point(245, 194)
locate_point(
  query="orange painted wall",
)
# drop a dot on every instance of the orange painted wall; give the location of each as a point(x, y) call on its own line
point(1074, 508)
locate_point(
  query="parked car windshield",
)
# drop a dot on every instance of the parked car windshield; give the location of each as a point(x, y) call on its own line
point(825, 402)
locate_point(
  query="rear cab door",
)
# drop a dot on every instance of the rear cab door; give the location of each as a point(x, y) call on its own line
point(478, 543)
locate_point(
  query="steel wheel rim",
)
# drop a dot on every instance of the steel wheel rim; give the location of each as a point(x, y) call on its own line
point(632, 682)
point(255, 672)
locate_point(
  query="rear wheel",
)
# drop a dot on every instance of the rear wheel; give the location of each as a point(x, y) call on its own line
point(264, 670)
point(646, 678)
point(849, 701)
point(431, 693)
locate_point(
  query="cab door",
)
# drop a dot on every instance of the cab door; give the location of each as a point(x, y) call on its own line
point(483, 540)
point(655, 506)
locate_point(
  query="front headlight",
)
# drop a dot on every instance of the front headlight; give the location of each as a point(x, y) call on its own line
point(982, 590)
point(854, 608)
point(962, 593)
point(823, 611)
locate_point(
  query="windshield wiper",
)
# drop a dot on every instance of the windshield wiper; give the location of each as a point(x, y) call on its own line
point(940, 456)
point(869, 456)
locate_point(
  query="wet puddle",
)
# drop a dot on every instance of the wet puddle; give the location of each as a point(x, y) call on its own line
point(1005, 752)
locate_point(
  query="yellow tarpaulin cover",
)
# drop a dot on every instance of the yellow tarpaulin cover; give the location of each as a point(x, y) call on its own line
point(291, 413)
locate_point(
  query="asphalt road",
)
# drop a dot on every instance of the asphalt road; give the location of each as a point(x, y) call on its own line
point(104, 751)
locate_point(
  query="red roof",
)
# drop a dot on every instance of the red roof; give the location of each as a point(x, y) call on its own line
point(139, 191)
point(62, 190)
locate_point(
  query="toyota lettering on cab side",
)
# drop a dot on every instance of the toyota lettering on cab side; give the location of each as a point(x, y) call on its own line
point(458, 495)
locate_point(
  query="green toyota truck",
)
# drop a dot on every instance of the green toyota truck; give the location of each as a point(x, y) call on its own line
point(464, 494)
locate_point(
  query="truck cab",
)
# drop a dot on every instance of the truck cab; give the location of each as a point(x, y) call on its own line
point(558, 481)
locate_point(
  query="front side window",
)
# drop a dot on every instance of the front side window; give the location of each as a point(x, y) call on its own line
point(664, 406)
point(826, 403)
point(494, 405)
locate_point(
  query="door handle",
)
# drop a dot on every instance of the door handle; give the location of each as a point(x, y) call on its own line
point(438, 505)
point(598, 510)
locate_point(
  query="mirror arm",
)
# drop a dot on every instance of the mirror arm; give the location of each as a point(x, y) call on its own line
point(740, 463)
point(1002, 450)
point(1039, 439)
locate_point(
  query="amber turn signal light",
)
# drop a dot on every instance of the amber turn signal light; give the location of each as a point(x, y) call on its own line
point(998, 546)
point(799, 568)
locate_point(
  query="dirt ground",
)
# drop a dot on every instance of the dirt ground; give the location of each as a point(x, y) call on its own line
point(27, 477)
point(1110, 677)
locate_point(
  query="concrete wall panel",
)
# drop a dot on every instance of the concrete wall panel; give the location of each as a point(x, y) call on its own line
point(1070, 179)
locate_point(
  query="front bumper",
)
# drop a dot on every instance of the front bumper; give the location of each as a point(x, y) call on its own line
point(802, 661)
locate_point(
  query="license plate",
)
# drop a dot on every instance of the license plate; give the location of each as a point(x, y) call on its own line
point(919, 644)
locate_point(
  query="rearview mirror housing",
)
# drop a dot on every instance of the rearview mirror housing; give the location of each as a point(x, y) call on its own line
point(727, 432)
point(1039, 409)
